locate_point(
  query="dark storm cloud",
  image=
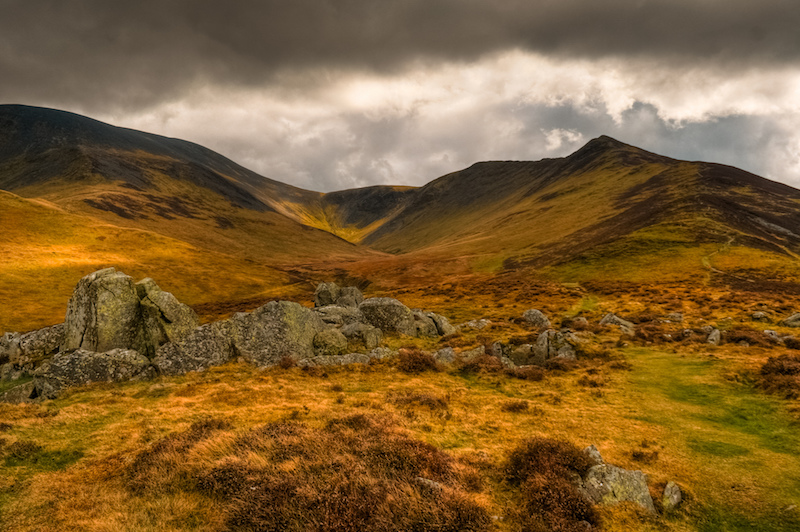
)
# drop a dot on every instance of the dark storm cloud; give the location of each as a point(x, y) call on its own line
point(99, 54)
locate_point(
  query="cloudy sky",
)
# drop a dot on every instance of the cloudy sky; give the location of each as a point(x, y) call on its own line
point(332, 94)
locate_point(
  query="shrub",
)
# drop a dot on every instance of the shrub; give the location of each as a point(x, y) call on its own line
point(481, 364)
point(412, 360)
point(781, 375)
point(527, 373)
point(792, 342)
point(751, 336)
point(515, 406)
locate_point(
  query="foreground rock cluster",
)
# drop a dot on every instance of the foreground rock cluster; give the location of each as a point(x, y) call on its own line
point(117, 330)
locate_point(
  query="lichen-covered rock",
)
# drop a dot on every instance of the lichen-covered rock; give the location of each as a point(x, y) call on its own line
point(38, 345)
point(426, 327)
point(625, 326)
point(361, 332)
point(471, 354)
point(335, 360)
point(9, 347)
point(552, 344)
point(350, 296)
point(522, 355)
point(330, 342)
point(204, 347)
point(389, 315)
point(443, 326)
point(23, 393)
point(338, 316)
point(445, 356)
point(792, 321)
point(164, 318)
point(714, 337)
point(672, 497)
point(326, 294)
point(278, 329)
point(608, 484)
point(593, 454)
point(536, 318)
point(81, 367)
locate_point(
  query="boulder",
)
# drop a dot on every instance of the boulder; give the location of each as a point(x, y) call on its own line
point(338, 316)
point(389, 315)
point(330, 342)
point(593, 454)
point(23, 393)
point(471, 354)
point(672, 497)
point(350, 296)
point(81, 367)
point(278, 329)
point(9, 347)
point(608, 484)
point(443, 326)
point(792, 321)
point(677, 317)
point(204, 347)
point(714, 337)
point(536, 318)
point(760, 316)
point(773, 335)
point(104, 314)
point(445, 356)
point(326, 294)
point(552, 344)
point(165, 319)
point(522, 355)
point(361, 332)
point(38, 345)
point(426, 327)
point(625, 326)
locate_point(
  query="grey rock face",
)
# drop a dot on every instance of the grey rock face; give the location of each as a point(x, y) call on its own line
point(608, 484)
point(594, 455)
point(625, 326)
point(103, 314)
point(24, 393)
point(326, 294)
point(714, 337)
point(276, 330)
point(206, 346)
point(9, 347)
point(443, 326)
point(338, 316)
point(165, 318)
point(389, 315)
point(38, 345)
point(536, 318)
point(426, 327)
point(361, 332)
point(445, 356)
point(792, 321)
point(330, 342)
point(552, 344)
point(80, 367)
point(350, 296)
point(672, 496)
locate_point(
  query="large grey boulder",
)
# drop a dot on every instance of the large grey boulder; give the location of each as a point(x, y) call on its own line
point(204, 347)
point(38, 345)
point(443, 326)
point(278, 329)
point(330, 342)
point(608, 484)
point(426, 327)
point(536, 318)
point(326, 294)
point(103, 314)
point(164, 318)
point(625, 326)
point(792, 321)
point(553, 344)
point(81, 367)
point(389, 315)
point(361, 332)
point(338, 316)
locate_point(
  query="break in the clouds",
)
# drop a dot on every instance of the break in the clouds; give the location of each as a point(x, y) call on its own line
point(329, 94)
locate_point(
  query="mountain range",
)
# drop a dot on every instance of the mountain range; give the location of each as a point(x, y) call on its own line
point(78, 195)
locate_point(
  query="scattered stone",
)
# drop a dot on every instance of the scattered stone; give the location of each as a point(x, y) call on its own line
point(677, 317)
point(792, 321)
point(471, 354)
point(672, 497)
point(326, 294)
point(206, 346)
point(429, 484)
point(81, 367)
point(707, 329)
point(608, 484)
point(536, 318)
point(445, 356)
point(361, 332)
point(389, 315)
point(625, 326)
point(760, 316)
point(773, 335)
point(330, 342)
point(476, 324)
point(552, 344)
point(714, 337)
point(278, 329)
point(497, 349)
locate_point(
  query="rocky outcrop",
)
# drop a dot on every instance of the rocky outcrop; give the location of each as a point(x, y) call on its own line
point(332, 294)
point(443, 326)
point(549, 344)
point(23, 393)
point(536, 318)
point(350, 296)
point(36, 346)
point(339, 316)
point(330, 342)
point(278, 329)
point(625, 326)
point(608, 484)
point(204, 347)
point(164, 318)
point(362, 333)
point(81, 367)
point(389, 315)
point(425, 326)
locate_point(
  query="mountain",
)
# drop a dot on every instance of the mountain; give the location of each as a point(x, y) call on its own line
point(609, 212)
